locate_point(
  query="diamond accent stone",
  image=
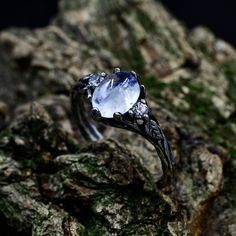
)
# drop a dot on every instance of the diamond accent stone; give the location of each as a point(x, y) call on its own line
point(140, 109)
point(118, 92)
point(95, 79)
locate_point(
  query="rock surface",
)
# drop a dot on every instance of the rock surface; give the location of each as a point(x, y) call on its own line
point(52, 182)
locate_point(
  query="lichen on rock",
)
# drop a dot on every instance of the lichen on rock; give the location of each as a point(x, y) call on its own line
point(52, 182)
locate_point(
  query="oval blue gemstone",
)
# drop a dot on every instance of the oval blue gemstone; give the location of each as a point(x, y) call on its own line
point(118, 92)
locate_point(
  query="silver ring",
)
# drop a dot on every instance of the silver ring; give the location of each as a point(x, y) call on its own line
point(118, 100)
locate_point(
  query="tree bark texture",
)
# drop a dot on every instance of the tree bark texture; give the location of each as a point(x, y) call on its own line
point(52, 182)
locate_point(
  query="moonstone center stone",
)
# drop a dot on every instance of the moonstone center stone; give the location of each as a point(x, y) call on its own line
point(118, 92)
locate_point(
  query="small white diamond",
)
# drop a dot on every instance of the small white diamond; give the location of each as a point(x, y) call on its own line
point(95, 79)
point(140, 109)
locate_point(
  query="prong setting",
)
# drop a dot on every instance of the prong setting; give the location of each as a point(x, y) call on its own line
point(103, 74)
point(131, 113)
point(145, 117)
point(117, 116)
point(115, 70)
point(96, 114)
point(89, 94)
point(143, 101)
point(143, 91)
point(133, 73)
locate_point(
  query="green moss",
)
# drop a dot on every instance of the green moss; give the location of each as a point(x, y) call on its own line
point(93, 228)
point(131, 58)
point(145, 230)
point(200, 100)
point(153, 85)
point(150, 26)
point(229, 69)
point(130, 55)
point(232, 153)
point(5, 133)
point(72, 5)
point(144, 19)
point(153, 212)
point(201, 112)
point(169, 46)
point(204, 48)
point(72, 146)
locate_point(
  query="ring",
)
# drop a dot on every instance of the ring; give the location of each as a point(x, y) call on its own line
point(118, 100)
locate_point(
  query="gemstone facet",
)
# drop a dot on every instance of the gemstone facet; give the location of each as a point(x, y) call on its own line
point(118, 92)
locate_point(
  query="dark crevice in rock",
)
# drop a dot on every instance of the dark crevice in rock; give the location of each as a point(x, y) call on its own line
point(8, 230)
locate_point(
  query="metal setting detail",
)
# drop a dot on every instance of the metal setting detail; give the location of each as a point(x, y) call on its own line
point(137, 119)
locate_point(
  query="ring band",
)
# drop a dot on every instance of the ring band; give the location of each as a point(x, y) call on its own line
point(118, 100)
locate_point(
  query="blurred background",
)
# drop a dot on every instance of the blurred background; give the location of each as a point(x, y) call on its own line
point(219, 17)
point(190, 76)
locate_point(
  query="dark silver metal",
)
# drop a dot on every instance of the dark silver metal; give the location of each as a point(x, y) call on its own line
point(138, 119)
